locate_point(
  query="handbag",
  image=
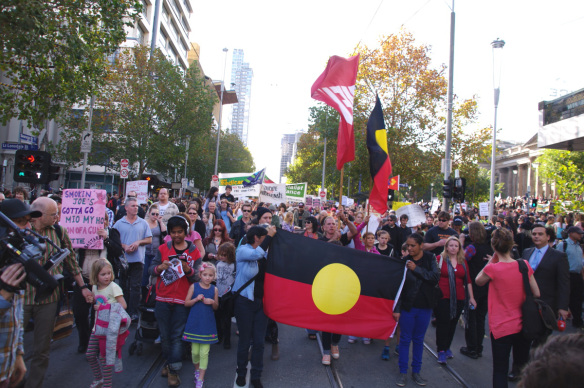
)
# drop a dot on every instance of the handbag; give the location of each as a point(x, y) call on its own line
point(228, 299)
point(64, 319)
point(538, 318)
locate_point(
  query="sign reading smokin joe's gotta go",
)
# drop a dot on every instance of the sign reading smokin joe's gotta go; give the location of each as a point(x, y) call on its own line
point(83, 214)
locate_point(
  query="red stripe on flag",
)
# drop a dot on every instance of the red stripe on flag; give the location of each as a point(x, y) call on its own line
point(293, 305)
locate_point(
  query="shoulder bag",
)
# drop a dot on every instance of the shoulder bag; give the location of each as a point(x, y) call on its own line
point(227, 301)
point(538, 318)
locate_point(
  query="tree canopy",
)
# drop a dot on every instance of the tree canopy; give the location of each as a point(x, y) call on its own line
point(53, 53)
point(566, 169)
point(413, 95)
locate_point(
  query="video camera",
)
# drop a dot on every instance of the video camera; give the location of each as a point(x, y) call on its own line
point(27, 248)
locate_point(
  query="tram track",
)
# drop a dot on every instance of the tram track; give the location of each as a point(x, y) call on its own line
point(448, 368)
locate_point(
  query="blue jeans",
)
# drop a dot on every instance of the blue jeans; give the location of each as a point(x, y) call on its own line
point(414, 324)
point(252, 323)
point(172, 319)
point(145, 275)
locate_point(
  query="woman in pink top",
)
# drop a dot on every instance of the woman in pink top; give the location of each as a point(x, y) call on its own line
point(506, 296)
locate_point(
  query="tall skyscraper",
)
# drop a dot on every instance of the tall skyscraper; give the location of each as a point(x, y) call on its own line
point(241, 76)
point(289, 147)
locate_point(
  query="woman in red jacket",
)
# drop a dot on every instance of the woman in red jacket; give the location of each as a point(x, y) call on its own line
point(176, 267)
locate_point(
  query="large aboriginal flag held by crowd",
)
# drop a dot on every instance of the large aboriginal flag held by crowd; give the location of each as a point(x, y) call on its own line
point(321, 286)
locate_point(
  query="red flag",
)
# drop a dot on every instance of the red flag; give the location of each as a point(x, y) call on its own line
point(393, 183)
point(321, 286)
point(336, 88)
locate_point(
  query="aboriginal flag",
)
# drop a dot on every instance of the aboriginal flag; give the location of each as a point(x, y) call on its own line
point(317, 285)
point(379, 163)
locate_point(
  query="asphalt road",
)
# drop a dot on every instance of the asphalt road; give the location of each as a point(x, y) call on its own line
point(299, 365)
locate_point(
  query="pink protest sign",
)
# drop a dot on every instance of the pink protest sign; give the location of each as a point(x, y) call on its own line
point(83, 214)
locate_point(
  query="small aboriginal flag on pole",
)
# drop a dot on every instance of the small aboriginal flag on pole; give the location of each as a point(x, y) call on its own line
point(379, 162)
point(321, 286)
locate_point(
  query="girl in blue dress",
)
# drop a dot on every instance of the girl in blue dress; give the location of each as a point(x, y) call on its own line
point(201, 329)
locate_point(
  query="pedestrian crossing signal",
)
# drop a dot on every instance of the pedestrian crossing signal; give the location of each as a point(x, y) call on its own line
point(32, 166)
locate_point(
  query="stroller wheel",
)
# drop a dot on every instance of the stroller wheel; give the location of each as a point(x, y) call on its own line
point(139, 349)
point(132, 348)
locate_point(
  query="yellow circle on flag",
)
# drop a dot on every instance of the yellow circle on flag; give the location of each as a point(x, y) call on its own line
point(335, 289)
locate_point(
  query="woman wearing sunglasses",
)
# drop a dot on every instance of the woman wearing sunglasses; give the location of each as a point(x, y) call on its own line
point(159, 231)
point(212, 242)
point(197, 225)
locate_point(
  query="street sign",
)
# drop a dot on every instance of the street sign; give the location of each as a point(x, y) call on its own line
point(184, 182)
point(215, 178)
point(124, 173)
point(17, 146)
point(86, 138)
point(29, 138)
point(215, 183)
point(322, 195)
point(124, 163)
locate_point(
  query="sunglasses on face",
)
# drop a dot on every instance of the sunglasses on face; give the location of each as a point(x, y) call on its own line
point(246, 211)
point(218, 230)
point(192, 213)
point(442, 220)
point(154, 214)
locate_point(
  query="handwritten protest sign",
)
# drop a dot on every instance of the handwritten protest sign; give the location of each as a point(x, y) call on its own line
point(484, 209)
point(273, 194)
point(82, 214)
point(141, 189)
point(308, 200)
point(315, 202)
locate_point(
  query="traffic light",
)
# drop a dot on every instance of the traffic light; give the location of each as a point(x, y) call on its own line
point(32, 166)
point(459, 189)
point(390, 195)
point(54, 172)
point(534, 203)
point(447, 188)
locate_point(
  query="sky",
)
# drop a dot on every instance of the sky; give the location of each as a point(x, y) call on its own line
point(287, 44)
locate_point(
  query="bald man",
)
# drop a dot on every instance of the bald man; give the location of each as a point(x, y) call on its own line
point(43, 312)
point(167, 208)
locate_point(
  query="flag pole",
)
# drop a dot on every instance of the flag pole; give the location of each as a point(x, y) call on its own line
point(369, 203)
point(341, 193)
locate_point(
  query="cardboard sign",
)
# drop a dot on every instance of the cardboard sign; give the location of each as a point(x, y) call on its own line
point(273, 194)
point(315, 202)
point(82, 214)
point(308, 200)
point(141, 189)
point(415, 213)
point(435, 206)
point(484, 209)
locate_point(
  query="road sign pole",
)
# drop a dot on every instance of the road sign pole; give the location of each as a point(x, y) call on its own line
point(85, 153)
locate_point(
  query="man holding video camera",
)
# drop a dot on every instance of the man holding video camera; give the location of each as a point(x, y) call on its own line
point(43, 311)
point(12, 368)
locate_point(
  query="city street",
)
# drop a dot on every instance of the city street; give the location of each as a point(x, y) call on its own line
point(299, 365)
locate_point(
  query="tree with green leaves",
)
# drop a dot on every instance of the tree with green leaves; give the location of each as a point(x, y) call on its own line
point(566, 169)
point(413, 96)
point(53, 53)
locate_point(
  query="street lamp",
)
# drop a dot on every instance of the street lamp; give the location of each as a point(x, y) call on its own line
point(515, 183)
point(220, 112)
point(497, 52)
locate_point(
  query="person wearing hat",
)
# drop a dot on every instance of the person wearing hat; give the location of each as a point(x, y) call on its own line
point(300, 215)
point(394, 233)
point(457, 223)
point(572, 248)
point(523, 239)
point(12, 302)
point(275, 218)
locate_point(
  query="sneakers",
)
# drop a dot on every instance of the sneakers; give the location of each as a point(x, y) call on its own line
point(335, 351)
point(173, 379)
point(197, 375)
point(396, 350)
point(385, 353)
point(366, 341)
point(469, 353)
point(449, 354)
point(351, 339)
point(158, 340)
point(240, 381)
point(199, 384)
point(326, 359)
point(419, 380)
point(96, 384)
point(442, 357)
point(164, 371)
point(402, 380)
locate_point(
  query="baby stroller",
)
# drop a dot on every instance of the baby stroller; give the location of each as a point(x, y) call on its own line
point(147, 330)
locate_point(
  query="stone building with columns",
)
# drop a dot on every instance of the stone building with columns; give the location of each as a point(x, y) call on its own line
point(515, 166)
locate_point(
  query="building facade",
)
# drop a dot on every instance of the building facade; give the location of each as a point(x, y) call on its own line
point(289, 147)
point(241, 78)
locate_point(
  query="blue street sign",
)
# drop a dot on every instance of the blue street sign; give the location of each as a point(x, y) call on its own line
point(16, 146)
point(29, 138)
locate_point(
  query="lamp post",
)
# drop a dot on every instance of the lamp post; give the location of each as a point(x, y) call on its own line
point(515, 183)
point(220, 112)
point(497, 52)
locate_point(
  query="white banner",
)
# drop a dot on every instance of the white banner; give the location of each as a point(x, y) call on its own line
point(415, 213)
point(435, 205)
point(141, 189)
point(275, 194)
point(484, 209)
